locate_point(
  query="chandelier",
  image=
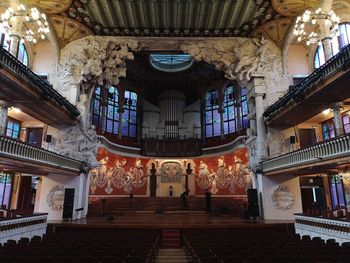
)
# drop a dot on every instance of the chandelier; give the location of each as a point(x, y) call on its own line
point(36, 25)
point(307, 24)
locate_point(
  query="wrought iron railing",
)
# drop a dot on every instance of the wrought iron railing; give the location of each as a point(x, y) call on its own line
point(10, 62)
point(11, 148)
point(331, 149)
point(333, 65)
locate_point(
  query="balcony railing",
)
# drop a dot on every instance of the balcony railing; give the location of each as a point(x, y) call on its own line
point(336, 148)
point(48, 92)
point(28, 227)
point(333, 65)
point(323, 228)
point(11, 148)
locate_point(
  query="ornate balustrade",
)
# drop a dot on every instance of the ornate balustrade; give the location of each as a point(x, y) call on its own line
point(335, 148)
point(48, 92)
point(323, 228)
point(28, 227)
point(15, 149)
point(333, 65)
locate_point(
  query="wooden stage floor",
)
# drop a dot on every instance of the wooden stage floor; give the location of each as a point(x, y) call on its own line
point(178, 220)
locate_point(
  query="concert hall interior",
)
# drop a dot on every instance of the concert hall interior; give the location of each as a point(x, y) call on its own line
point(174, 131)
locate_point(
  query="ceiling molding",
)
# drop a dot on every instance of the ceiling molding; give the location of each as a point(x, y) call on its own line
point(68, 30)
point(275, 30)
point(293, 8)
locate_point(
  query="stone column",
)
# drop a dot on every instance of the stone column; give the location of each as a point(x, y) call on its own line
point(221, 110)
point(252, 116)
point(121, 111)
point(3, 116)
point(259, 90)
point(327, 48)
point(338, 122)
point(238, 105)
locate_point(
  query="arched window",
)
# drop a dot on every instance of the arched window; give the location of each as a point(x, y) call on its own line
point(129, 118)
point(235, 114)
point(22, 53)
point(105, 112)
point(212, 115)
point(336, 44)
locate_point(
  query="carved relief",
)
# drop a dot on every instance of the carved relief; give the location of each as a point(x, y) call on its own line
point(239, 58)
point(55, 198)
point(282, 198)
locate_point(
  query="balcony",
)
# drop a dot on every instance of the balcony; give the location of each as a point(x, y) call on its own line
point(326, 85)
point(326, 155)
point(22, 87)
point(27, 227)
point(323, 228)
point(18, 156)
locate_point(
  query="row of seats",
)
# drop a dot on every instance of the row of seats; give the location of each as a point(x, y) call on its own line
point(85, 246)
point(259, 245)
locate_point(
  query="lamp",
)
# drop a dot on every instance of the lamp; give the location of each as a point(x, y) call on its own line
point(306, 25)
point(37, 25)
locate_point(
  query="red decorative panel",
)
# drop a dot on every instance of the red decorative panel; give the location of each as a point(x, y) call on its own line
point(222, 175)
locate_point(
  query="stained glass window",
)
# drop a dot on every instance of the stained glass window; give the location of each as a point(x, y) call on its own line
point(5, 189)
point(22, 54)
point(328, 130)
point(13, 128)
point(235, 114)
point(337, 191)
point(212, 115)
point(346, 123)
point(129, 118)
point(105, 113)
point(336, 44)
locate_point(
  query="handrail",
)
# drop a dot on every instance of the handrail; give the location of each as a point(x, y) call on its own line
point(8, 61)
point(334, 64)
point(322, 227)
point(329, 149)
point(13, 148)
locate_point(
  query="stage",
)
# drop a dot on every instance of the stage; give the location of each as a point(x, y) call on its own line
point(175, 220)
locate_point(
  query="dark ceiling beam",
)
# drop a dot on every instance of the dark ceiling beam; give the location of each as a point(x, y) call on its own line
point(242, 11)
point(236, 12)
point(229, 17)
point(209, 15)
point(167, 13)
point(134, 14)
point(199, 11)
point(144, 14)
point(123, 15)
point(177, 13)
point(188, 16)
point(155, 14)
point(112, 11)
point(250, 10)
point(222, 8)
point(102, 13)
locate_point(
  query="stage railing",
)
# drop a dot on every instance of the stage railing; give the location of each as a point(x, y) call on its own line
point(10, 148)
point(332, 149)
point(322, 227)
point(16, 228)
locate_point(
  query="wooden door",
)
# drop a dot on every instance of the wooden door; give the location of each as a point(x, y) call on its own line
point(307, 137)
point(35, 136)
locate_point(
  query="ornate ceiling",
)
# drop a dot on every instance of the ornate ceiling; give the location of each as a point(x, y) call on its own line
point(73, 19)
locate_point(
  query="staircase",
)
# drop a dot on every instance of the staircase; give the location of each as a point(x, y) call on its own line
point(171, 255)
point(171, 238)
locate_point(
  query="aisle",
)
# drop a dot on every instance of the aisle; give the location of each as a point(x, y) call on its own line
point(171, 255)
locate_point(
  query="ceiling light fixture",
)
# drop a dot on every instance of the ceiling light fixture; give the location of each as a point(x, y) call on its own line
point(307, 24)
point(326, 112)
point(36, 27)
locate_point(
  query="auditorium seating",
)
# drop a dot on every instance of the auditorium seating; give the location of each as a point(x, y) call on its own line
point(260, 245)
point(85, 246)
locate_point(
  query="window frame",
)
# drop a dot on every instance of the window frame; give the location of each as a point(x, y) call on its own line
point(212, 108)
point(15, 121)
